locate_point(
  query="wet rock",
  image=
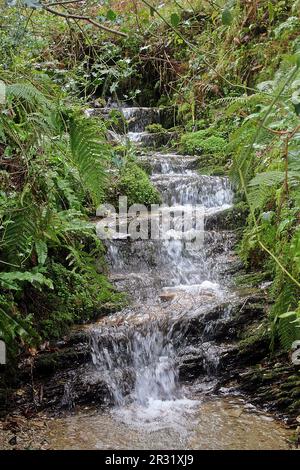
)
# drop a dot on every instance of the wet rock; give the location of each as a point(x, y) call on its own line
point(64, 359)
point(167, 296)
point(190, 363)
point(140, 117)
point(156, 140)
point(13, 441)
point(273, 387)
point(235, 413)
point(229, 219)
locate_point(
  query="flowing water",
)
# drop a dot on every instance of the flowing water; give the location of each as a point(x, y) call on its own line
point(146, 353)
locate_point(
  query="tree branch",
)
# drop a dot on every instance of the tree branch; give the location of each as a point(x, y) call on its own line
point(63, 3)
point(84, 18)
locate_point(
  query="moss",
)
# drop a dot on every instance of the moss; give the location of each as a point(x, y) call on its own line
point(252, 337)
point(136, 185)
point(214, 165)
point(76, 298)
point(196, 125)
point(206, 141)
point(155, 128)
point(50, 362)
point(293, 378)
point(289, 385)
point(146, 166)
point(295, 406)
point(296, 393)
point(232, 218)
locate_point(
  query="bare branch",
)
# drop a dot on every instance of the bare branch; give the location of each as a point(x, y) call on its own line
point(84, 18)
point(64, 3)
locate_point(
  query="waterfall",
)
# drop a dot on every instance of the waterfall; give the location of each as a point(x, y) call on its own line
point(135, 350)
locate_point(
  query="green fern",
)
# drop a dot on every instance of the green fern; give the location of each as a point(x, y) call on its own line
point(287, 332)
point(19, 233)
point(238, 103)
point(89, 154)
point(12, 326)
point(12, 280)
point(28, 94)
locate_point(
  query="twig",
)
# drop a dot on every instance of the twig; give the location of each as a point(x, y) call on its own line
point(63, 3)
point(85, 18)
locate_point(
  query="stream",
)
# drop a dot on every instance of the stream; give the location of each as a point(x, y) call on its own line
point(160, 358)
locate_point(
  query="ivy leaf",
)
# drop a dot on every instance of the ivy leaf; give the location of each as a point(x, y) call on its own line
point(175, 20)
point(111, 15)
point(227, 17)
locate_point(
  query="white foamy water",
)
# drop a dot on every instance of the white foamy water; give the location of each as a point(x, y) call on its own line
point(158, 415)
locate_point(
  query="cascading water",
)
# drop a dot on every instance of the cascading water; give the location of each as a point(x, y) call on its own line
point(135, 351)
point(142, 359)
point(157, 358)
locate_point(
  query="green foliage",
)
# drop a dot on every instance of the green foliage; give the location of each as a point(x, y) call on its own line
point(203, 142)
point(227, 17)
point(89, 153)
point(155, 128)
point(55, 161)
point(13, 280)
point(175, 19)
point(266, 169)
point(14, 326)
point(136, 185)
point(28, 95)
point(61, 158)
point(76, 297)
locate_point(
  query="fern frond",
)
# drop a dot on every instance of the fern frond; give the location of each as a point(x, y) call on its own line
point(19, 233)
point(89, 153)
point(287, 332)
point(11, 280)
point(238, 103)
point(268, 178)
point(29, 94)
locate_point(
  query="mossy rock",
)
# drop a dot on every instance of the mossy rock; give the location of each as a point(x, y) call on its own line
point(155, 128)
point(205, 141)
point(136, 185)
point(66, 358)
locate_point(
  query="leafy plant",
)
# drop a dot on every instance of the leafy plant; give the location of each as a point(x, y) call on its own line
point(61, 158)
point(89, 153)
point(266, 169)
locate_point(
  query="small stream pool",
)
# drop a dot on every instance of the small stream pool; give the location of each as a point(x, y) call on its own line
point(216, 423)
